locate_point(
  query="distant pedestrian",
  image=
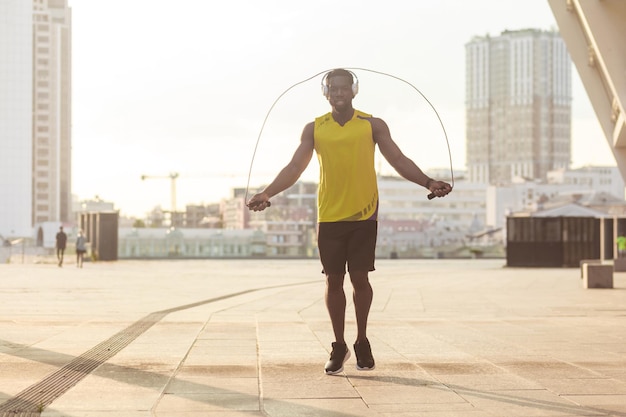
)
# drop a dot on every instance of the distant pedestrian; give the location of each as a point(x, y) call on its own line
point(61, 243)
point(80, 249)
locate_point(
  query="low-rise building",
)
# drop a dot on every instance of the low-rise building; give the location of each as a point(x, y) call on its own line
point(139, 243)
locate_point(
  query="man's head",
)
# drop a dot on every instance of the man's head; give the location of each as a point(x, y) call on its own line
point(339, 79)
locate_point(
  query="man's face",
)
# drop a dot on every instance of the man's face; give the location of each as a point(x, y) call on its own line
point(340, 91)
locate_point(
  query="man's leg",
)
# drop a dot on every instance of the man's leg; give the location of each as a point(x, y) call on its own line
point(336, 305)
point(362, 296)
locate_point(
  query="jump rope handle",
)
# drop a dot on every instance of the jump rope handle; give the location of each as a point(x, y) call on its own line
point(431, 196)
point(269, 204)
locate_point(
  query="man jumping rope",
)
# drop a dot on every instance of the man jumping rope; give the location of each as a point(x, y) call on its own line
point(344, 140)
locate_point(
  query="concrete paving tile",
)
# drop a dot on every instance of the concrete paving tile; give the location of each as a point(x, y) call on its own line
point(378, 378)
point(228, 371)
point(219, 413)
point(164, 360)
point(328, 407)
point(286, 331)
point(281, 317)
point(171, 403)
point(525, 402)
point(236, 330)
point(588, 386)
point(320, 390)
point(462, 368)
point(97, 393)
point(617, 374)
point(307, 385)
point(18, 374)
point(292, 359)
point(603, 365)
point(55, 354)
point(137, 376)
point(547, 369)
point(612, 403)
point(247, 350)
point(497, 382)
point(392, 366)
point(462, 413)
point(223, 344)
point(213, 385)
point(196, 358)
point(403, 394)
point(535, 412)
point(288, 371)
point(422, 409)
point(53, 359)
point(582, 356)
point(95, 413)
point(307, 346)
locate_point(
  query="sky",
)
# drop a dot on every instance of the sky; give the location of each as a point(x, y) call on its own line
point(219, 91)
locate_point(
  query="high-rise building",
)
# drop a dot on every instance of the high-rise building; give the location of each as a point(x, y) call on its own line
point(35, 114)
point(518, 106)
point(16, 96)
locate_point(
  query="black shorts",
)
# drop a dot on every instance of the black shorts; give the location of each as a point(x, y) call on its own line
point(347, 243)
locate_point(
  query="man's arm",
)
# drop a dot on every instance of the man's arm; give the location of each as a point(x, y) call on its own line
point(401, 163)
point(289, 174)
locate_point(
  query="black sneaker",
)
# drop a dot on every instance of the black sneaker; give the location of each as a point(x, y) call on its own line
point(338, 357)
point(364, 358)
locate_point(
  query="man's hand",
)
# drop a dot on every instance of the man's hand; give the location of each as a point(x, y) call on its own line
point(259, 202)
point(438, 189)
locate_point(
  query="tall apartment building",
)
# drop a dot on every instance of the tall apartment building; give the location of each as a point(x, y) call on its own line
point(518, 106)
point(35, 116)
point(16, 95)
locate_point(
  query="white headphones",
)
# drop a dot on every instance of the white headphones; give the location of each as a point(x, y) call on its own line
point(355, 84)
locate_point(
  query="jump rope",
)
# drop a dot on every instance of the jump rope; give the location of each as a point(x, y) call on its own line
point(267, 115)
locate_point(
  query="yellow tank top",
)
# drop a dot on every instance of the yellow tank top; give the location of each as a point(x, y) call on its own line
point(347, 187)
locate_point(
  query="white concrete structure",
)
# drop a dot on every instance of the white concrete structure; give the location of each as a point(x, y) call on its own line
point(16, 96)
point(594, 32)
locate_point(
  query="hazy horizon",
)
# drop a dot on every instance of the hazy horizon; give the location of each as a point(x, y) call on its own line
point(160, 89)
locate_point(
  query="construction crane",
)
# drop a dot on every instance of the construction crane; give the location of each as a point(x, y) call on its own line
point(172, 176)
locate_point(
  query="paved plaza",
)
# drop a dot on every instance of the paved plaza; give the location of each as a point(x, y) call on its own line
point(249, 338)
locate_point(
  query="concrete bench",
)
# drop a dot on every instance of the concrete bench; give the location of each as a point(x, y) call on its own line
point(619, 264)
point(597, 275)
point(588, 261)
